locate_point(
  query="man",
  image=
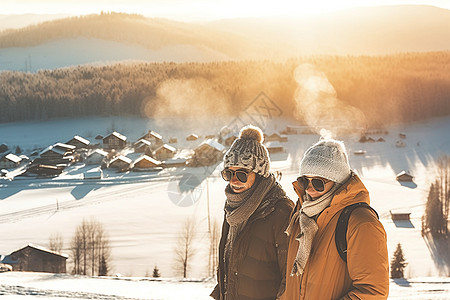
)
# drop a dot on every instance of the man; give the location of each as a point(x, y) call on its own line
point(315, 270)
point(253, 245)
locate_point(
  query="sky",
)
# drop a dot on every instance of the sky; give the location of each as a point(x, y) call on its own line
point(198, 9)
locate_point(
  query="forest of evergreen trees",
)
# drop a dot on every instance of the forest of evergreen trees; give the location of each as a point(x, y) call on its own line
point(387, 89)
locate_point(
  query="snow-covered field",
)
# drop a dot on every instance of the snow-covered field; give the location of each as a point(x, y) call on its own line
point(143, 213)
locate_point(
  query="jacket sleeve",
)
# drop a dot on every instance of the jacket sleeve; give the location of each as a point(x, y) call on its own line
point(367, 257)
point(282, 242)
point(215, 293)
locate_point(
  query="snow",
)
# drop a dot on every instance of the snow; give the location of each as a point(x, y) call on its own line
point(80, 51)
point(143, 212)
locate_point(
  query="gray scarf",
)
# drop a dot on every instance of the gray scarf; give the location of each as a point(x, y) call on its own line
point(240, 206)
point(308, 226)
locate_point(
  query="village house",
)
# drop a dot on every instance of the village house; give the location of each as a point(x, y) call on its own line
point(400, 215)
point(404, 176)
point(174, 162)
point(96, 157)
point(94, 173)
point(114, 140)
point(44, 170)
point(51, 153)
point(143, 146)
point(274, 147)
point(207, 153)
point(68, 149)
point(120, 162)
point(33, 258)
point(164, 152)
point(229, 139)
point(154, 138)
point(10, 161)
point(145, 163)
point(79, 142)
point(275, 137)
point(192, 137)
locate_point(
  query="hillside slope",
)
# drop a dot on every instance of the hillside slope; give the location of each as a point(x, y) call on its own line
point(358, 31)
point(130, 205)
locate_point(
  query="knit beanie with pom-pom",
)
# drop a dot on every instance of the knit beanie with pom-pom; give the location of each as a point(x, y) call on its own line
point(248, 152)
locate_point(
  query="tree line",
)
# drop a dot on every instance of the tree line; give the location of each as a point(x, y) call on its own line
point(387, 89)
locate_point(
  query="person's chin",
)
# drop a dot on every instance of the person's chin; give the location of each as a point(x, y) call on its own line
point(238, 189)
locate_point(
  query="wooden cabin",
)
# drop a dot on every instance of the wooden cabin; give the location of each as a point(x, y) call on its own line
point(79, 142)
point(68, 149)
point(45, 170)
point(154, 138)
point(275, 137)
point(33, 258)
point(400, 215)
point(145, 163)
point(115, 140)
point(10, 161)
point(229, 139)
point(165, 152)
point(120, 162)
point(192, 137)
point(96, 157)
point(274, 147)
point(404, 176)
point(143, 146)
point(207, 153)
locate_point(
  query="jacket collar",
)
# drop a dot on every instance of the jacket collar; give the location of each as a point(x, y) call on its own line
point(352, 191)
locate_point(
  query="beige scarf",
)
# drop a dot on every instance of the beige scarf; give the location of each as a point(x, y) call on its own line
point(239, 207)
point(308, 226)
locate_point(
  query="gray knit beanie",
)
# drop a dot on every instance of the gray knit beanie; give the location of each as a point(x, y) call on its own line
point(249, 152)
point(327, 159)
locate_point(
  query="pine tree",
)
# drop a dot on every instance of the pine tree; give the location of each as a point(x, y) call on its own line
point(156, 272)
point(398, 263)
point(434, 217)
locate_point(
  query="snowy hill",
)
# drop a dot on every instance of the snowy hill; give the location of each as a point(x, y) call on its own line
point(100, 39)
point(143, 213)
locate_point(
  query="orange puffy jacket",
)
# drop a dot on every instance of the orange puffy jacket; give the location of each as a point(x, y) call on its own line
point(326, 275)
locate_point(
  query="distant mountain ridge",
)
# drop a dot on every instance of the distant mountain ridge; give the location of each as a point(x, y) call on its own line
point(130, 29)
point(360, 31)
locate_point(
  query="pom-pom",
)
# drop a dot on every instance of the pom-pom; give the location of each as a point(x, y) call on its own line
point(252, 133)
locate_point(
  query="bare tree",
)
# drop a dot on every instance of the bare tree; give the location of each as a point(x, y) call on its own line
point(214, 238)
point(56, 242)
point(91, 249)
point(184, 250)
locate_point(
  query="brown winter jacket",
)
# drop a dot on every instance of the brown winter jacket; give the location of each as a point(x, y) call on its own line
point(326, 275)
point(258, 256)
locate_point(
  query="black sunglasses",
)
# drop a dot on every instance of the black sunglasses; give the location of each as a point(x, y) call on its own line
point(241, 175)
point(317, 183)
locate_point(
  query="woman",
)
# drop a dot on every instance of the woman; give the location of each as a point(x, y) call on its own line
point(253, 245)
point(315, 269)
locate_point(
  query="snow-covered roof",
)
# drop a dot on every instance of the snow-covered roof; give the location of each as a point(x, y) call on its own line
point(121, 158)
point(14, 158)
point(273, 144)
point(150, 159)
point(214, 144)
point(117, 135)
point(53, 149)
point(168, 147)
point(99, 152)
point(81, 140)
point(42, 249)
point(64, 146)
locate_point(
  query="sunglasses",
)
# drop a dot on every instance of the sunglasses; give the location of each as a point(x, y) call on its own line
point(317, 183)
point(241, 175)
